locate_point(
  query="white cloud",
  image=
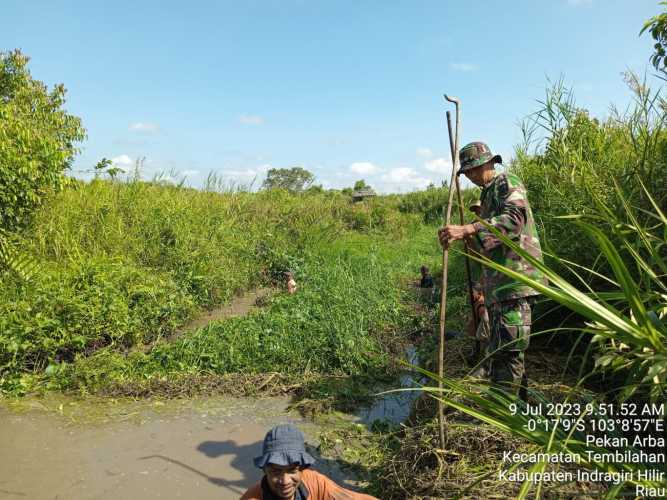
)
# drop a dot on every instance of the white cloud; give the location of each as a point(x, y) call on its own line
point(465, 67)
point(363, 168)
point(247, 174)
point(251, 119)
point(440, 165)
point(122, 161)
point(400, 174)
point(163, 178)
point(403, 179)
point(147, 128)
point(424, 153)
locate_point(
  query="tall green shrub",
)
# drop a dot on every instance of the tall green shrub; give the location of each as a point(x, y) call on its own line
point(37, 140)
point(571, 162)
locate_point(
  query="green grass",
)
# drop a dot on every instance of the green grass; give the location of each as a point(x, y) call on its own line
point(125, 265)
point(349, 312)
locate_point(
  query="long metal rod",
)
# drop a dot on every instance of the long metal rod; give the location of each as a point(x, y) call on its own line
point(466, 248)
point(443, 292)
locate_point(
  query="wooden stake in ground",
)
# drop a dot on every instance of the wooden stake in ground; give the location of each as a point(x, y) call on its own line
point(445, 262)
point(466, 248)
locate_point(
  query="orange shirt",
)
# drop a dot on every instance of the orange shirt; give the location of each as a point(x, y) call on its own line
point(319, 487)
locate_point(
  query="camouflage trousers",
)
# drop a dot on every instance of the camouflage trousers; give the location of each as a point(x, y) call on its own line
point(510, 335)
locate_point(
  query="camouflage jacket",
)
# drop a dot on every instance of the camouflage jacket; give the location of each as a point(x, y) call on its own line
point(505, 207)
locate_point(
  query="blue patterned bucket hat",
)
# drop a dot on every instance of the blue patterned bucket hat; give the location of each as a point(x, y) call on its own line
point(284, 445)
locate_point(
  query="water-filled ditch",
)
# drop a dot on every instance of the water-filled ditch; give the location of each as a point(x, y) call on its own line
point(394, 407)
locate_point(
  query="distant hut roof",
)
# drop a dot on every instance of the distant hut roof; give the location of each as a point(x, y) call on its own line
point(362, 193)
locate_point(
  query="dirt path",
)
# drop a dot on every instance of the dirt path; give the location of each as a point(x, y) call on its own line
point(239, 306)
point(66, 449)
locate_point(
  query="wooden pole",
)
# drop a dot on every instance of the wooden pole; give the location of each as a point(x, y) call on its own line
point(466, 248)
point(443, 292)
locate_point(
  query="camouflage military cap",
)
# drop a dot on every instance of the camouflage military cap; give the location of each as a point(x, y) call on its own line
point(475, 154)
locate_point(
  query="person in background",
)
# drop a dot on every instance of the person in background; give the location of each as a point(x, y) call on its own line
point(291, 283)
point(427, 291)
point(287, 473)
point(426, 279)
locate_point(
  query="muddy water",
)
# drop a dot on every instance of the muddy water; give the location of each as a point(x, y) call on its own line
point(64, 449)
point(394, 407)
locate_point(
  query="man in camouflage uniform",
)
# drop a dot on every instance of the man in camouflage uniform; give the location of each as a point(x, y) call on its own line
point(504, 207)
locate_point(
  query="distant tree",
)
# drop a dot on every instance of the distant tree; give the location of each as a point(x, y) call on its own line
point(657, 26)
point(294, 179)
point(37, 140)
point(106, 166)
point(361, 185)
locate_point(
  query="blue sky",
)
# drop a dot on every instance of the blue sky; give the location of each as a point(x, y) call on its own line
point(347, 90)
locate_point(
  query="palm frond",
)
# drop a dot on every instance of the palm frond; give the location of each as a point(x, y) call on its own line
point(20, 264)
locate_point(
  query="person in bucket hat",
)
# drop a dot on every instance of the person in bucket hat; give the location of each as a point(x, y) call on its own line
point(475, 155)
point(504, 211)
point(287, 473)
